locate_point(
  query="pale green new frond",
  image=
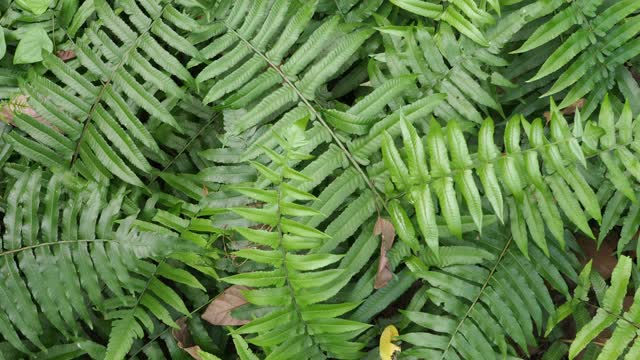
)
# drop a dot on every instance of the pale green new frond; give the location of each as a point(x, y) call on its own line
point(298, 284)
point(546, 168)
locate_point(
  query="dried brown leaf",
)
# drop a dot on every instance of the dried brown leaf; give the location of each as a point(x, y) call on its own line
point(384, 274)
point(66, 55)
point(219, 311)
point(193, 351)
point(384, 228)
point(20, 105)
point(571, 109)
point(184, 340)
point(182, 334)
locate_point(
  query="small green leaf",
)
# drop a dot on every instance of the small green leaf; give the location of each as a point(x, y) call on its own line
point(158, 310)
point(310, 262)
point(566, 199)
point(295, 134)
point(268, 196)
point(336, 326)
point(492, 190)
point(426, 216)
point(273, 176)
point(179, 275)
point(297, 228)
point(402, 224)
point(262, 237)
point(319, 311)
point(449, 205)
point(415, 151)
point(30, 47)
point(394, 162)
point(264, 216)
point(614, 296)
point(272, 257)
point(206, 356)
point(295, 193)
point(452, 17)
point(293, 209)
point(257, 278)
point(419, 7)
point(38, 7)
point(244, 352)
point(466, 185)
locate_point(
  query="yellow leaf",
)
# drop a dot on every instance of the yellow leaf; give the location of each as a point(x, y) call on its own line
point(387, 348)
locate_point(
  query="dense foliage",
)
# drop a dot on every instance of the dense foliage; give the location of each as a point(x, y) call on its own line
point(324, 179)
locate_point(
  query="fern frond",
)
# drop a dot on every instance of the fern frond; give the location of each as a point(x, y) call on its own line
point(609, 313)
point(60, 244)
point(295, 289)
point(443, 64)
point(516, 179)
point(158, 150)
point(477, 304)
point(585, 64)
point(242, 53)
point(99, 133)
point(464, 16)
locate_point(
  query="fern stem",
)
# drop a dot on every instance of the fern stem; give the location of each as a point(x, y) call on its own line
point(596, 307)
point(570, 341)
point(63, 242)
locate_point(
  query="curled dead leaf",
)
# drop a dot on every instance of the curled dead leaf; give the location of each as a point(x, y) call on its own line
point(194, 351)
point(384, 274)
point(384, 228)
point(219, 311)
point(66, 55)
point(184, 340)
